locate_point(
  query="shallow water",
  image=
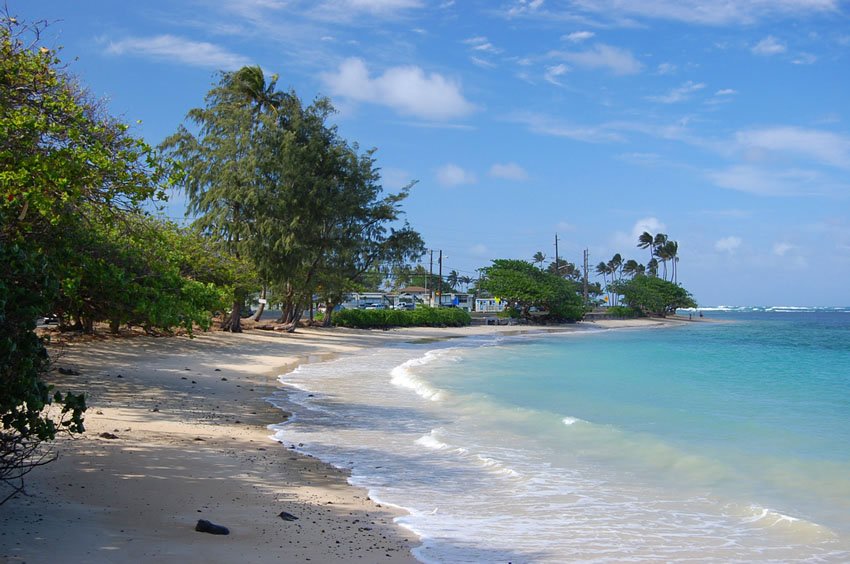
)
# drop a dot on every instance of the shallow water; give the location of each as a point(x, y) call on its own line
point(724, 442)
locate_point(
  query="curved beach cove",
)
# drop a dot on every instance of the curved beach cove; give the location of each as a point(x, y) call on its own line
point(703, 441)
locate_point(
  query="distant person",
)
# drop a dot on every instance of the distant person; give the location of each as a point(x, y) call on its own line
point(700, 314)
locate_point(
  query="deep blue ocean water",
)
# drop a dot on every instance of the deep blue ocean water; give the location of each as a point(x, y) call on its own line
point(725, 441)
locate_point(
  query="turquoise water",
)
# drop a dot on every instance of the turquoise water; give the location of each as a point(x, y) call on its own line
point(708, 441)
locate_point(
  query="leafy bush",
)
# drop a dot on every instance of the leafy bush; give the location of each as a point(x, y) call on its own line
point(385, 318)
point(624, 311)
point(653, 296)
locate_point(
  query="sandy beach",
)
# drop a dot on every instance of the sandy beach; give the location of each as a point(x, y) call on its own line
point(177, 432)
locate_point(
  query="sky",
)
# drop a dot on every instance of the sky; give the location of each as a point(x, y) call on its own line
point(723, 124)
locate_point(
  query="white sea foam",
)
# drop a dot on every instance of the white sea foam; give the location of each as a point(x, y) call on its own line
point(431, 441)
point(404, 375)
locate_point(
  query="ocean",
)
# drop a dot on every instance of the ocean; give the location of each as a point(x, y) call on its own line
point(699, 442)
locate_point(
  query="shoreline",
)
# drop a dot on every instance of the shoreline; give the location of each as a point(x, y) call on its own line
point(193, 442)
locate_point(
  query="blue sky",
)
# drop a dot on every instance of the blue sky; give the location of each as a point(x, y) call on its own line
point(721, 123)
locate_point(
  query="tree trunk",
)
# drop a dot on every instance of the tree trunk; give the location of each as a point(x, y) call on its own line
point(234, 323)
point(262, 306)
point(290, 326)
point(329, 309)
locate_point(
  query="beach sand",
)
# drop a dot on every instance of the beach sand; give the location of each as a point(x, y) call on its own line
point(191, 442)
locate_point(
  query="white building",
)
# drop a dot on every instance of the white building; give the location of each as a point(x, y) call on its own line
point(489, 305)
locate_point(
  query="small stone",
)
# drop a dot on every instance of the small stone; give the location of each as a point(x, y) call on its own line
point(287, 516)
point(205, 526)
point(107, 436)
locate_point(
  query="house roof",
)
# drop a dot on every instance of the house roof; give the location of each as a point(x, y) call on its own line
point(413, 290)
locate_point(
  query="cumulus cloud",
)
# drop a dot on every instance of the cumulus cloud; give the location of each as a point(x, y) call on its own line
point(618, 61)
point(578, 36)
point(508, 171)
point(453, 175)
point(179, 50)
point(679, 94)
point(769, 46)
point(726, 92)
point(406, 89)
point(728, 244)
point(648, 224)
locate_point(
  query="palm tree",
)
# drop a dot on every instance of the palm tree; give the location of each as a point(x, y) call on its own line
point(652, 268)
point(466, 281)
point(633, 268)
point(670, 251)
point(539, 258)
point(603, 269)
point(645, 241)
point(452, 279)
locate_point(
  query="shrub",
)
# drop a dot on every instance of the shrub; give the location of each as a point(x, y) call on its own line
point(385, 318)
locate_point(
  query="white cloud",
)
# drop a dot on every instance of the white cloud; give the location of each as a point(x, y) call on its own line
point(764, 182)
point(479, 62)
point(769, 46)
point(781, 249)
point(480, 250)
point(726, 92)
point(619, 61)
point(180, 50)
point(453, 175)
point(804, 59)
point(553, 72)
point(406, 89)
point(547, 125)
point(679, 94)
point(482, 44)
point(728, 244)
point(395, 178)
point(508, 171)
point(375, 7)
point(822, 146)
point(665, 68)
point(578, 36)
point(648, 224)
point(708, 12)
point(525, 6)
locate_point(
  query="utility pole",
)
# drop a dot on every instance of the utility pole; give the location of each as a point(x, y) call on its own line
point(428, 282)
point(557, 260)
point(440, 282)
point(586, 258)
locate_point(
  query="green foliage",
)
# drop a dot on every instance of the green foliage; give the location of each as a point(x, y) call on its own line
point(419, 317)
point(653, 296)
point(524, 286)
point(623, 311)
point(144, 272)
point(274, 184)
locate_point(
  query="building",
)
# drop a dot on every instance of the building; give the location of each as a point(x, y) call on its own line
point(489, 305)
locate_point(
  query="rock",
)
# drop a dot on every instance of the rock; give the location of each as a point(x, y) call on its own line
point(68, 371)
point(205, 526)
point(107, 436)
point(287, 516)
